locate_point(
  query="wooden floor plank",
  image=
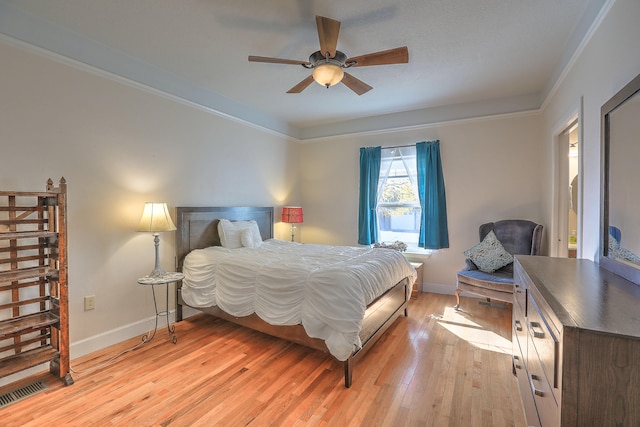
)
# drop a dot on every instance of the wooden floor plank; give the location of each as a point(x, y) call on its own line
point(436, 367)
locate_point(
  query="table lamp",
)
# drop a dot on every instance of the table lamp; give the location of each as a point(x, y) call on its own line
point(292, 215)
point(156, 218)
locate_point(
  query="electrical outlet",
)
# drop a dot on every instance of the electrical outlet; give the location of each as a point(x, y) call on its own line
point(89, 302)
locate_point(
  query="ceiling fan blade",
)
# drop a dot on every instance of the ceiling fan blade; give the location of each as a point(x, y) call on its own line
point(302, 85)
point(328, 30)
point(358, 86)
point(399, 55)
point(253, 58)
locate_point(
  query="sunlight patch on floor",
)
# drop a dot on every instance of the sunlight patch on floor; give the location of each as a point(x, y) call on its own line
point(470, 331)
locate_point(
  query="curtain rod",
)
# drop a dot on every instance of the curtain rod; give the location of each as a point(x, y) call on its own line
point(405, 146)
point(399, 146)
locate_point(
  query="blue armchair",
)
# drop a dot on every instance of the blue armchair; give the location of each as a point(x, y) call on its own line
point(518, 237)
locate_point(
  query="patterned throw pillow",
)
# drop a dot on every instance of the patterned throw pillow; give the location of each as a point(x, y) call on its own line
point(613, 243)
point(489, 255)
point(617, 251)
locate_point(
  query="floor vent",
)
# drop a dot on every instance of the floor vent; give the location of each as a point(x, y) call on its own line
point(22, 393)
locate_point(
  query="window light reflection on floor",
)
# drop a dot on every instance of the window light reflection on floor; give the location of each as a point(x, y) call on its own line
point(464, 328)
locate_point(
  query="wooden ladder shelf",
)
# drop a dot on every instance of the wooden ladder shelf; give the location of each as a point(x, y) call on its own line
point(34, 300)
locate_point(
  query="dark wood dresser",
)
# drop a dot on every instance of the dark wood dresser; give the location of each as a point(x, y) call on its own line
point(576, 343)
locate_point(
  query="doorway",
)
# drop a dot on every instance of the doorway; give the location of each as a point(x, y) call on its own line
point(574, 179)
point(569, 194)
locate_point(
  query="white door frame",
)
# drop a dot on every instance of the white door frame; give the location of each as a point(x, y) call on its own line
point(559, 232)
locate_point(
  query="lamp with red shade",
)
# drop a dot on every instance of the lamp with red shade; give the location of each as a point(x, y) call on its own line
point(292, 215)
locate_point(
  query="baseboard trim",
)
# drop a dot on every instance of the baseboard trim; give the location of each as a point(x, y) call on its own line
point(439, 288)
point(114, 336)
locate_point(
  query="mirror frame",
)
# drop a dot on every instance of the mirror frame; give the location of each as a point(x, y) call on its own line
point(620, 268)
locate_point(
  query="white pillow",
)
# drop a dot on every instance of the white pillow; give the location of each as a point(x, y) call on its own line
point(249, 239)
point(231, 233)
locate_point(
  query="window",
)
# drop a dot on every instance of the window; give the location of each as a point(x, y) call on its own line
point(384, 193)
point(398, 205)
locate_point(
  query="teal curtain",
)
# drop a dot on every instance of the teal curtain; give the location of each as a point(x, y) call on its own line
point(369, 175)
point(434, 232)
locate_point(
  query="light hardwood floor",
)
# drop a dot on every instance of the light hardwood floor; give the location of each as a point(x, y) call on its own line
point(436, 367)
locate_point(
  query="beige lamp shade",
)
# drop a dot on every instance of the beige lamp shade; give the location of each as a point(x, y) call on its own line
point(327, 74)
point(156, 218)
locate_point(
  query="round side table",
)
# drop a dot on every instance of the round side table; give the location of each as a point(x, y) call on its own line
point(165, 279)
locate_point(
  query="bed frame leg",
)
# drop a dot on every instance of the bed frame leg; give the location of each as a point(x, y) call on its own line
point(348, 372)
point(407, 297)
point(178, 305)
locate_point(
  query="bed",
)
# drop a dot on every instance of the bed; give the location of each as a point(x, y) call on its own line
point(197, 235)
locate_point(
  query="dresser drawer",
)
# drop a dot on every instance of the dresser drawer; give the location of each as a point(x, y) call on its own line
point(545, 344)
point(528, 403)
point(520, 297)
point(541, 389)
point(519, 329)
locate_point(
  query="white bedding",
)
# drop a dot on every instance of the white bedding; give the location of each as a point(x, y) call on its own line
point(324, 288)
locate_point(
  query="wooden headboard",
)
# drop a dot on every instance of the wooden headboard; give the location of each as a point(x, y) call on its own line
point(198, 226)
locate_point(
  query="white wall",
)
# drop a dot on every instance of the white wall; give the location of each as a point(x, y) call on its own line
point(119, 146)
point(609, 60)
point(491, 168)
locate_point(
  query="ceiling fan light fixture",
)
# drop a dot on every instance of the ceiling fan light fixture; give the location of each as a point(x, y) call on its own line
point(327, 74)
point(328, 62)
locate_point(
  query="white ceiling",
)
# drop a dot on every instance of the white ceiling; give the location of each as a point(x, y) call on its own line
point(464, 55)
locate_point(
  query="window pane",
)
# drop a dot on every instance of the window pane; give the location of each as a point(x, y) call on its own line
point(399, 223)
point(398, 190)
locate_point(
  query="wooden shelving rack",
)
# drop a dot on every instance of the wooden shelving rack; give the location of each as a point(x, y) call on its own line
point(34, 301)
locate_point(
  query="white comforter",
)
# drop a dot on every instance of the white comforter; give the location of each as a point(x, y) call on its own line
point(324, 288)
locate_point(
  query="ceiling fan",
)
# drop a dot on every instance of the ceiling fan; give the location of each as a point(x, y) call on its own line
point(328, 63)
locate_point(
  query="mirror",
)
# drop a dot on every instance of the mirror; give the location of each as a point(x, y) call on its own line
point(619, 225)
